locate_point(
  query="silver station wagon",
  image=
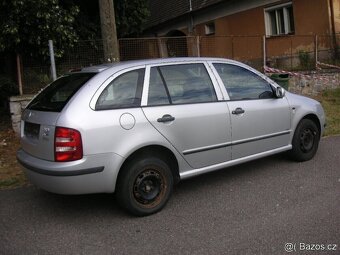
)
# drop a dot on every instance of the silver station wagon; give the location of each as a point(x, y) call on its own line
point(136, 128)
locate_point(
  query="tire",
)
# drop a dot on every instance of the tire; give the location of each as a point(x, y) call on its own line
point(144, 186)
point(305, 140)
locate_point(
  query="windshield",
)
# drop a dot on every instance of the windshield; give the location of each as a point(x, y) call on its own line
point(55, 96)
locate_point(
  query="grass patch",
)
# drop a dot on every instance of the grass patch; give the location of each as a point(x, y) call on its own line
point(11, 175)
point(13, 182)
point(8, 182)
point(330, 100)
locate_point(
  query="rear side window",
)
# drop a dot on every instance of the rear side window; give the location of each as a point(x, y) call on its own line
point(180, 84)
point(123, 92)
point(54, 97)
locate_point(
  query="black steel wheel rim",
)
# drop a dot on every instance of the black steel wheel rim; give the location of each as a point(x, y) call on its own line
point(307, 139)
point(148, 187)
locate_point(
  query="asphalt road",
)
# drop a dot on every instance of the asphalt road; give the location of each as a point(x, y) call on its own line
point(254, 208)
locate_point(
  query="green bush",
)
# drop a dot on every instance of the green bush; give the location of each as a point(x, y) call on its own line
point(305, 59)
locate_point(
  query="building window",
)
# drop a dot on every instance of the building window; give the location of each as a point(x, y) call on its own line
point(279, 20)
point(210, 28)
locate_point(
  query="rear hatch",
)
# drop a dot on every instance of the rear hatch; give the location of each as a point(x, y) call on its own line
point(40, 116)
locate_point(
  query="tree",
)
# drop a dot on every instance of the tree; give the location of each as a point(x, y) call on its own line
point(27, 25)
point(109, 32)
point(131, 16)
point(87, 23)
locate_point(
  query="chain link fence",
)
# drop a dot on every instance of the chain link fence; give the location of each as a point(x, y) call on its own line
point(37, 73)
point(291, 53)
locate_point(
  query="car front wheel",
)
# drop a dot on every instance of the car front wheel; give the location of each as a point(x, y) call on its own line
point(144, 186)
point(305, 140)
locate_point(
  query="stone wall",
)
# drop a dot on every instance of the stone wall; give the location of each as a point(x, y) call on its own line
point(17, 104)
point(311, 83)
point(314, 83)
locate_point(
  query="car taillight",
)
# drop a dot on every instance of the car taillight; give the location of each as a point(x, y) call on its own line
point(67, 144)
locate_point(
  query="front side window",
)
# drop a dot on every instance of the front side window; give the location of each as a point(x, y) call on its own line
point(242, 84)
point(180, 84)
point(123, 92)
point(279, 20)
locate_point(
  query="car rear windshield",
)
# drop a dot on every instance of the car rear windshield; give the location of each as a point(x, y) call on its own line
point(55, 96)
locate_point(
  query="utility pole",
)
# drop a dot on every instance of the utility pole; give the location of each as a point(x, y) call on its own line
point(108, 28)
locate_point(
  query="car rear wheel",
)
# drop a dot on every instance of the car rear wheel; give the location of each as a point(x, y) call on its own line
point(305, 141)
point(144, 186)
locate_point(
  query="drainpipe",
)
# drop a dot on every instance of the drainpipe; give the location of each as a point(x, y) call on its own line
point(333, 31)
point(191, 24)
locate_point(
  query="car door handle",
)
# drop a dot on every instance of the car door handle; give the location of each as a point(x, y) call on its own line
point(238, 110)
point(166, 118)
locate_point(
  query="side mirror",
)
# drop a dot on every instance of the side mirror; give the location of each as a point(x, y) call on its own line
point(279, 92)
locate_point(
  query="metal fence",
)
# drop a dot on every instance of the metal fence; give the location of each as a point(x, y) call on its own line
point(37, 72)
point(301, 52)
point(287, 53)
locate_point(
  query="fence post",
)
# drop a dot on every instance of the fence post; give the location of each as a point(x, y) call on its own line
point(232, 47)
point(19, 74)
point(159, 46)
point(316, 52)
point(264, 50)
point(198, 46)
point(162, 49)
point(291, 53)
point(53, 70)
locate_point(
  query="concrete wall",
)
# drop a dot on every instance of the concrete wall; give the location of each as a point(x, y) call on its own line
point(17, 104)
point(249, 23)
point(336, 10)
point(312, 17)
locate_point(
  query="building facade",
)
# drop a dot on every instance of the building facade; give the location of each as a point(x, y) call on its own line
point(235, 28)
point(244, 17)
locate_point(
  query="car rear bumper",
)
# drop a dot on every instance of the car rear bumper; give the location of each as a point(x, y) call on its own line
point(91, 174)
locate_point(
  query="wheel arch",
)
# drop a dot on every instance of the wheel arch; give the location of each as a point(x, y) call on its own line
point(304, 142)
point(311, 116)
point(314, 118)
point(155, 150)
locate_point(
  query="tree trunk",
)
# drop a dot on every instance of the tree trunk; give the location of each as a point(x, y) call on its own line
point(108, 28)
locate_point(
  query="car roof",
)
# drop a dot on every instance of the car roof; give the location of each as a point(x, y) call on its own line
point(132, 63)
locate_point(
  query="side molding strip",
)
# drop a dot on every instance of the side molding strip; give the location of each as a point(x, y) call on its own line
point(248, 140)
